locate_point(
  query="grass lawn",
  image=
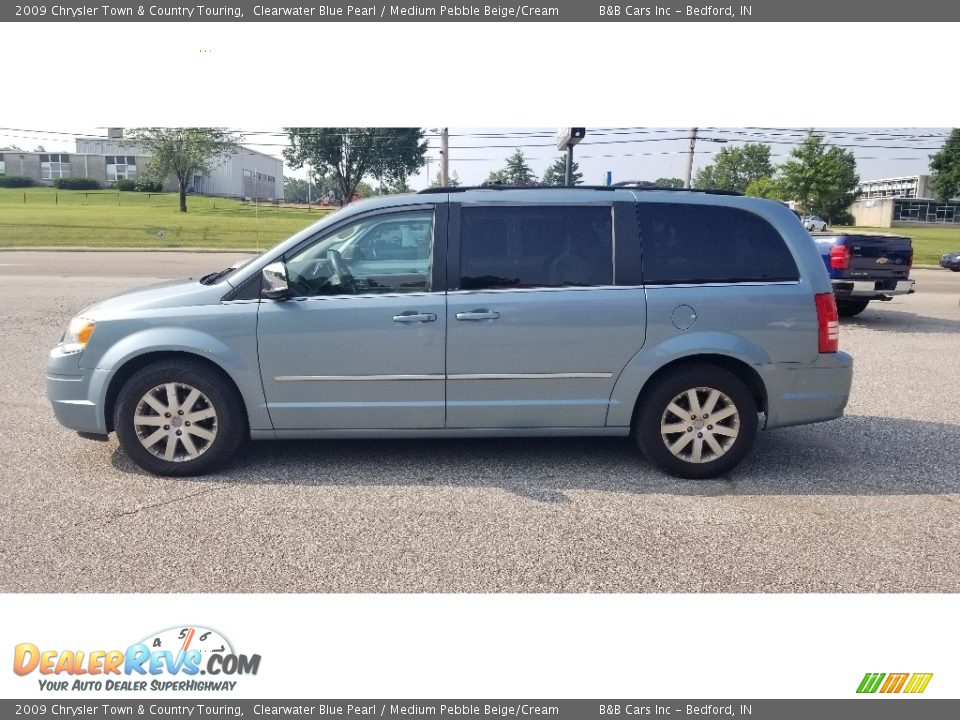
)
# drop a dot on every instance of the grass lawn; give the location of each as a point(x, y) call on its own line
point(929, 243)
point(37, 217)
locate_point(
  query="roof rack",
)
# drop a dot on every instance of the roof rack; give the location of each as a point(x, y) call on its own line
point(626, 185)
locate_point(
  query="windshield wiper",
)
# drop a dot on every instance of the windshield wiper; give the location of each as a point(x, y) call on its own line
point(211, 278)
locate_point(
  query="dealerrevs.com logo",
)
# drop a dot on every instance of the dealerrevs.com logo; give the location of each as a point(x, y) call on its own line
point(172, 659)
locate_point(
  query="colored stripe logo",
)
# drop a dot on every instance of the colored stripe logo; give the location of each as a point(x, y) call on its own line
point(913, 683)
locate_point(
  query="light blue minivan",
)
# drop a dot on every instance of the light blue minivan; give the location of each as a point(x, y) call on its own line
point(683, 319)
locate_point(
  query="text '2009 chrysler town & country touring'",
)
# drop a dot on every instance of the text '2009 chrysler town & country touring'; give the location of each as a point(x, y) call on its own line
point(683, 319)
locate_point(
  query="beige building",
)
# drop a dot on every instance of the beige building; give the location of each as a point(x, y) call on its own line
point(909, 186)
point(890, 212)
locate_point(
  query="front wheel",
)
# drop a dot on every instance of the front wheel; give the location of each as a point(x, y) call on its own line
point(179, 418)
point(698, 422)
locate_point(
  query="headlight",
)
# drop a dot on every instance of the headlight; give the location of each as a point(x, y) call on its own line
point(77, 336)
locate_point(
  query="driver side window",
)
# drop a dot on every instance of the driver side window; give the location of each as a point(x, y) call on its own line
point(390, 253)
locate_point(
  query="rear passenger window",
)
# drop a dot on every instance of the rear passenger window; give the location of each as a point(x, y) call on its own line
point(535, 246)
point(702, 243)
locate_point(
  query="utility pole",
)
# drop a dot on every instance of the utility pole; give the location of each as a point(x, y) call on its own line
point(693, 144)
point(444, 158)
point(568, 169)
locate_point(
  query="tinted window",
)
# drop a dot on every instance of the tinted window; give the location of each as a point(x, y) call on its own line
point(702, 243)
point(535, 246)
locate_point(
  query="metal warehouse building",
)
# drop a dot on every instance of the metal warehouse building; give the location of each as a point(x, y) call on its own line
point(243, 173)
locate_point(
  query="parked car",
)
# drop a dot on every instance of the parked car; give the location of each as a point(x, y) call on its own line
point(866, 267)
point(476, 312)
point(814, 223)
point(950, 261)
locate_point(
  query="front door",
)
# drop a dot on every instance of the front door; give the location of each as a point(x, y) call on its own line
point(361, 345)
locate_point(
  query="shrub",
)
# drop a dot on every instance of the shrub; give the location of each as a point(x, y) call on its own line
point(842, 218)
point(144, 185)
point(15, 181)
point(125, 185)
point(76, 183)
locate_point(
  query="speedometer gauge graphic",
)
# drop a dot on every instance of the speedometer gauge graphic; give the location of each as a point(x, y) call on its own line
point(186, 638)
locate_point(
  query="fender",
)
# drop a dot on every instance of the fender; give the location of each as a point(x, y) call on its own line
point(652, 358)
point(239, 363)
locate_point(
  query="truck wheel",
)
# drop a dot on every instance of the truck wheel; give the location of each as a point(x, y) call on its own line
point(179, 418)
point(849, 308)
point(698, 422)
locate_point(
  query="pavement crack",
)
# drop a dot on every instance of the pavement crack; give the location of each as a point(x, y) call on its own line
point(106, 519)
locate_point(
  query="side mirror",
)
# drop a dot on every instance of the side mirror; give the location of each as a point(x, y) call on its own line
point(275, 286)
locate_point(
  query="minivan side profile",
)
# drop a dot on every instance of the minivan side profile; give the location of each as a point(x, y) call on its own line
point(683, 319)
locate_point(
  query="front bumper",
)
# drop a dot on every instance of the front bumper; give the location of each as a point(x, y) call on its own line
point(868, 289)
point(76, 393)
point(802, 393)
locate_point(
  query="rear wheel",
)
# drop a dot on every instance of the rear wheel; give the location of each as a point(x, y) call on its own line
point(698, 422)
point(849, 308)
point(179, 418)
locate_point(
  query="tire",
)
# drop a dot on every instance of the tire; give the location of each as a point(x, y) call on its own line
point(733, 409)
point(849, 308)
point(955, 269)
point(181, 446)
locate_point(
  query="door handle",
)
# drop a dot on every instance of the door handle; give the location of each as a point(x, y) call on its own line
point(414, 317)
point(478, 315)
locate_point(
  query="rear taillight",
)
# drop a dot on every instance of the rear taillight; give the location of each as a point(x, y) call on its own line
point(828, 323)
point(839, 257)
point(910, 261)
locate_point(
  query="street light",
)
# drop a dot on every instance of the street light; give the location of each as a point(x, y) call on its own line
point(566, 139)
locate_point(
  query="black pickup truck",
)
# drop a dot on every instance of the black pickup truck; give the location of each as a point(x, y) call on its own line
point(866, 267)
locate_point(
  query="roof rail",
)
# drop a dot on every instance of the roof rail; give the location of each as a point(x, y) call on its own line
point(626, 185)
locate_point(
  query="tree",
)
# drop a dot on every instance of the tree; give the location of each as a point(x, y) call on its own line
point(945, 167)
point(736, 167)
point(398, 187)
point(363, 190)
point(669, 183)
point(516, 172)
point(348, 155)
point(765, 188)
point(182, 152)
point(822, 179)
point(295, 190)
point(300, 191)
point(453, 180)
point(556, 174)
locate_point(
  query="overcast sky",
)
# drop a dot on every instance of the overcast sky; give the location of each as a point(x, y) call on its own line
point(629, 153)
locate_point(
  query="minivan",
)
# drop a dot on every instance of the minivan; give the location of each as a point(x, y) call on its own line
point(683, 319)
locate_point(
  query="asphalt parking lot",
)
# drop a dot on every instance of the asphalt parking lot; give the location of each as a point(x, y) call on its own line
point(868, 503)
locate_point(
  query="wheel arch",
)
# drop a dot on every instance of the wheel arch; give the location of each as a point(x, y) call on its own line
point(138, 362)
point(742, 370)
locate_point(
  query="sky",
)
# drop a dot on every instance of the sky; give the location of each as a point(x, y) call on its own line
point(629, 153)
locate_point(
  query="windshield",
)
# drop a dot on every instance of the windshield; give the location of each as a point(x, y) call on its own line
point(227, 273)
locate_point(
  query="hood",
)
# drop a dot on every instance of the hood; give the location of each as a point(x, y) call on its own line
point(170, 294)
